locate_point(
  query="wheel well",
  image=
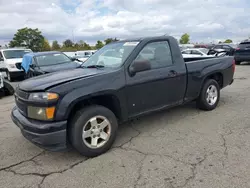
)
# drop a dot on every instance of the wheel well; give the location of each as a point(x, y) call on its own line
point(218, 77)
point(109, 101)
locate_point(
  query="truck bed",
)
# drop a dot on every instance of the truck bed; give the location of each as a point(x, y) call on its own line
point(197, 67)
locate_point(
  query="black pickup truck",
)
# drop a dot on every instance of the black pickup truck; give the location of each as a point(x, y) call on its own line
point(123, 80)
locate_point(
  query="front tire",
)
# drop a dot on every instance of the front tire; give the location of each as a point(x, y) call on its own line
point(93, 130)
point(209, 95)
point(9, 77)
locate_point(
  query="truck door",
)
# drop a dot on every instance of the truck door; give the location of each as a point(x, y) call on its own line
point(162, 86)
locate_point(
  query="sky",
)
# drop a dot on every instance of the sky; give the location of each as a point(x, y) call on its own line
point(92, 20)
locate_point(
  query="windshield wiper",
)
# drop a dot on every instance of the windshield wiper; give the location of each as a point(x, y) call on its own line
point(95, 66)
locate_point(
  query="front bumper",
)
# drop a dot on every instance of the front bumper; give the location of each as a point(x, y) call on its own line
point(16, 73)
point(50, 136)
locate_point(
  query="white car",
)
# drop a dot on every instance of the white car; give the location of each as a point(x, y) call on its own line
point(195, 52)
point(11, 60)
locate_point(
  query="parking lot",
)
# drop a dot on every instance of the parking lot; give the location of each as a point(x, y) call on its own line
point(179, 148)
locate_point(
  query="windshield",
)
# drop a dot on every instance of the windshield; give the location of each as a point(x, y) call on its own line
point(204, 50)
point(52, 59)
point(13, 54)
point(112, 55)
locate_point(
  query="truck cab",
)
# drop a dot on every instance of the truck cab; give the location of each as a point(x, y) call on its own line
point(11, 59)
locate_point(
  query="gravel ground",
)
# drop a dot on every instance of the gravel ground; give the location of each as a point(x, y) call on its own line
point(178, 148)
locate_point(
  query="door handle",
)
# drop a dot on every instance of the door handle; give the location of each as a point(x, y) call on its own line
point(172, 73)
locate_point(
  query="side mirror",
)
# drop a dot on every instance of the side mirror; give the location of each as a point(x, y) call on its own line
point(139, 66)
point(1, 59)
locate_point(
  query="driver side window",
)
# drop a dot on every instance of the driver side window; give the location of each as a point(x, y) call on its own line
point(157, 53)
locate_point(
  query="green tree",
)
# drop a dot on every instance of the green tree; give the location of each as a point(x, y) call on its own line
point(228, 41)
point(46, 45)
point(68, 43)
point(99, 44)
point(27, 37)
point(86, 46)
point(109, 40)
point(185, 39)
point(55, 45)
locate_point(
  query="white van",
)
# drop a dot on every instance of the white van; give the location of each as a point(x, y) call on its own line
point(11, 60)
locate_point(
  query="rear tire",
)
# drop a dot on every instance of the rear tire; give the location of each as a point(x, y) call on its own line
point(88, 128)
point(237, 62)
point(209, 95)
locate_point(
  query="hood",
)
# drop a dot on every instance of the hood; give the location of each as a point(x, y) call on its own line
point(14, 60)
point(41, 83)
point(59, 67)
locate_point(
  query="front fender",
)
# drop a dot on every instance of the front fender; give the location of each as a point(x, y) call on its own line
point(67, 103)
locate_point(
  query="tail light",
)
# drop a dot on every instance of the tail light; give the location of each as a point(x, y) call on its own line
point(237, 48)
point(233, 65)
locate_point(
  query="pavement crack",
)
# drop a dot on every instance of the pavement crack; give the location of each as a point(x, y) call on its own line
point(194, 171)
point(44, 175)
point(224, 145)
point(13, 165)
point(131, 138)
point(139, 172)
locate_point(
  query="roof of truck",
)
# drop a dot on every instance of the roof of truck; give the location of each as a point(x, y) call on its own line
point(147, 38)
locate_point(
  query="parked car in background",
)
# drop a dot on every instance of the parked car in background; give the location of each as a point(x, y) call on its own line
point(39, 63)
point(85, 52)
point(242, 52)
point(195, 52)
point(229, 48)
point(11, 59)
point(82, 107)
point(82, 58)
point(84, 55)
point(185, 46)
point(200, 46)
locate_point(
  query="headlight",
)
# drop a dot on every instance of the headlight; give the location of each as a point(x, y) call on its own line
point(12, 66)
point(43, 97)
point(41, 113)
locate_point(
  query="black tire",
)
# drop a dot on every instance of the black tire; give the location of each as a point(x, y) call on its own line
point(202, 100)
point(9, 77)
point(237, 62)
point(8, 89)
point(76, 129)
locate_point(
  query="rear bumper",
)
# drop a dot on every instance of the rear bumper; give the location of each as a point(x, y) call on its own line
point(242, 58)
point(50, 136)
point(231, 82)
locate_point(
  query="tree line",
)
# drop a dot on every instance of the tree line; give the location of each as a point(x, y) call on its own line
point(185, 39)
point(34, 40)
